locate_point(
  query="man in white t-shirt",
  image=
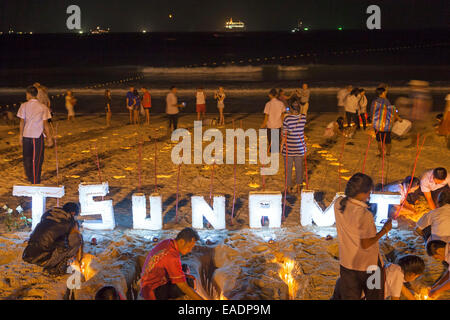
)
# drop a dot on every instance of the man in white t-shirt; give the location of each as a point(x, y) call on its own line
point(436, 223)
point(439, 250)
point(33, 124)
point(434, 182)
point(273, 119)
point(172, 108)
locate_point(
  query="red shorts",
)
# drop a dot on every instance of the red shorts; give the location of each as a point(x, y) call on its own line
point(201, 108)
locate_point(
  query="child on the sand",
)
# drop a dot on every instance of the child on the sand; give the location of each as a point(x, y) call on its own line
point(406, 269)
point(334, 128)
point(402, 187)
point(439, 250)
point(358, 241)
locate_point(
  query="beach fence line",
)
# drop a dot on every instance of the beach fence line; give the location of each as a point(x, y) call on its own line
point(263, 60)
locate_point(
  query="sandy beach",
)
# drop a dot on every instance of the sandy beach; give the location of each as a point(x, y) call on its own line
point(245, 265)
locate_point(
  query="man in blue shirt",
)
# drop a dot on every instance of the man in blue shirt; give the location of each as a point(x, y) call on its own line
point(130, 103)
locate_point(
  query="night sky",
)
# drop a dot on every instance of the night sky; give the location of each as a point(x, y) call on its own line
point(49, 16)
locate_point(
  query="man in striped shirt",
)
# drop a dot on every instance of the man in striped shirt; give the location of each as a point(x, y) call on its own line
point(294, 147)
point(384, 115)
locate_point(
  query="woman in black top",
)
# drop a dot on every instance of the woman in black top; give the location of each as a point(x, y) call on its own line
point(108, 107)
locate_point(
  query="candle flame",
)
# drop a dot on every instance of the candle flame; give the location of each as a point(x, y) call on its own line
point(85, 268)
point(285, 273)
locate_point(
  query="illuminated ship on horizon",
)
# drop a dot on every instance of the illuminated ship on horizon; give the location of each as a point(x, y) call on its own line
point(234, 25)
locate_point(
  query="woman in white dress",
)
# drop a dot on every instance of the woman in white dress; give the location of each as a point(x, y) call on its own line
point(220, 97)
point(70, 103)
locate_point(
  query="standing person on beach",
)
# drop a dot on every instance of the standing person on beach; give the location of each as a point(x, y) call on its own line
point(220, 97)
point(70, 104)
point(108, 100)
point(351, 103)
point(344, 92)
point(283, 97)
point(129, 102)
point(200, 105)
point(303, 97)
point(362, 103)
point(136, 106)
point(273, 119)
point(146, 104)
point(172, 108)
point(420, 109)
point(162, 276)
point(358, 242)
point(33, 125)
point(42, 96)
point(384, 115)
point(294, 147)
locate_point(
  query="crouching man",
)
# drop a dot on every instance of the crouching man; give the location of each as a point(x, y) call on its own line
point(162, 275)
point(55, 240)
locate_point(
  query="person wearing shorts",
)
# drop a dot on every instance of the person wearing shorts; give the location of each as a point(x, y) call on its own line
point(384, 114)
point(130, 102)
point(136, 106)
point(220, 97)
point(146, 104)
point(200, 104)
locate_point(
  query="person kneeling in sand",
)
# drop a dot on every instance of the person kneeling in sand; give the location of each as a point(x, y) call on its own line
point(55, 240)
point(162, 276)
point(439, 250)
point(408, 194)
point(436, 223)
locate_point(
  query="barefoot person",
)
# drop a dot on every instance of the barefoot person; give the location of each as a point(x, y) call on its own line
point(200, 105)
point(129, 103)
point(358, 241)
point(146, 104)
point(172, 108)
point(108, 100)
point(362, 103)
point(136, 106)
point(70, 104)
point(33, 126)
point(55, 240)
point(162, 276)
point(384, 115)
point(220, 97)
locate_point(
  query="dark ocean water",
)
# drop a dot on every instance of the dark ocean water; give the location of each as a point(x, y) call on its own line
point(247, 65)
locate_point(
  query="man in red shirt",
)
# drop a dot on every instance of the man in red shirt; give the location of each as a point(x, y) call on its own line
point(146, 104)
point(162, 276)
